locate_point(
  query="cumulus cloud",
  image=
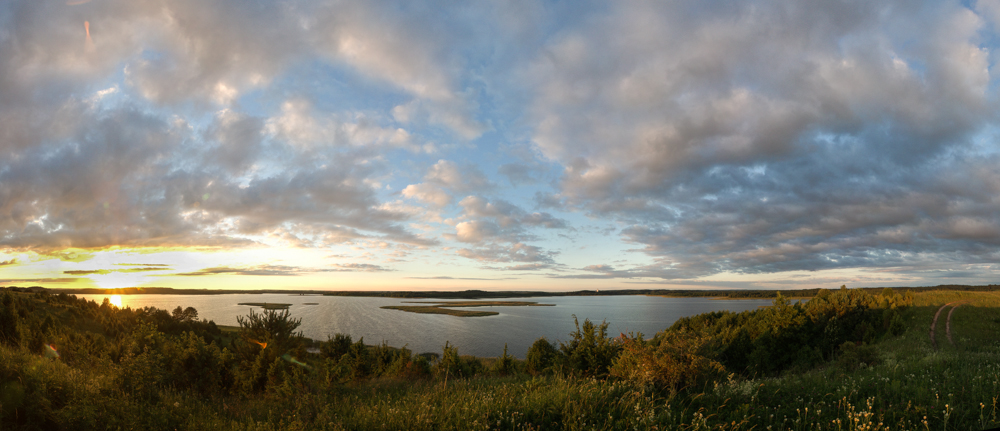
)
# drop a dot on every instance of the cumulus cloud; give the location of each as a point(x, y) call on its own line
point(427, 193)
point(300, 125)
point(500, 220)
point(770, 137)
point(446, 176)
point(408, 50)
point(518, 252)
point(723, 137)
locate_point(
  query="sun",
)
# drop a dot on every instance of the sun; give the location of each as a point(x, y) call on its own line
point(115, 300)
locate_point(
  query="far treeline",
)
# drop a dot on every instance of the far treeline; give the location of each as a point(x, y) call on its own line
point(68, 363)
point(483, 294)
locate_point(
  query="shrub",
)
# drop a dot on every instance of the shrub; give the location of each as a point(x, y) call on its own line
point(674, 361)
point(335, 347)
point(262, 340)
point(590, 352)
point(453, 365)
point(9, 334)
point(541, 356)
point(853, 356)
point(504, 364)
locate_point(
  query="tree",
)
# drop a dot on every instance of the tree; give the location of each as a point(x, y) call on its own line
point(263, 339)
point(8, 320)
point(541, 355)
point(590, 352)
point(189, 314)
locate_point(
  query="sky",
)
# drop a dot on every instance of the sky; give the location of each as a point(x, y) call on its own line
point(498, 145)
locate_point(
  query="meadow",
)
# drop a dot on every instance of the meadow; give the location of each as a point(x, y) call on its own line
point(845, 360)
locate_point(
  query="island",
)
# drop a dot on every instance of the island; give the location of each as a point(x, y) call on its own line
point(267, 305)
point(438, 307)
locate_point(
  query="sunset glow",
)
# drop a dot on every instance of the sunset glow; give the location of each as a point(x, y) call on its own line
point(506, 146)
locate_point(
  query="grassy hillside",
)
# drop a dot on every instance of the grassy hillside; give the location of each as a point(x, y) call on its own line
point(847, 360)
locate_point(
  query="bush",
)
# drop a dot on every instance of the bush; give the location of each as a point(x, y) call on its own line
point(453, 365)
point(9, 334)
point(673, 362)
point(262, 340)
point(590, 352)
point(853, 356)
point(504, 364)
point(335, 347)
point(541, 357)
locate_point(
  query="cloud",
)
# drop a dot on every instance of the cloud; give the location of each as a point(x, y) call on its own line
point(445, 277)
point(409, 50)
point(350, 267)
point(264, 270)
point(499, 229)
point(427, 193)
point(53, 280)
point(525, 267)
point(445, 176)
point(518, 252)
point(720, 138)
point(284, 270)
point(109, 271)
point(729, 147)
point(8, 262)
point(301, 125)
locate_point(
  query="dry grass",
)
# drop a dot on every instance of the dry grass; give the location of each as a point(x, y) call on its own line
point(941, 297)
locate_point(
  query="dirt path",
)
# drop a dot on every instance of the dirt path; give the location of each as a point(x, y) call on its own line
point(947, 325)
point(947, 328)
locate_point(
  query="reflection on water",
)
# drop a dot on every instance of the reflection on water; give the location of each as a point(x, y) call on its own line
point(518, 327)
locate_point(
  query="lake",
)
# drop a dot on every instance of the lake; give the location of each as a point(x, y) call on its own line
point(518, 327)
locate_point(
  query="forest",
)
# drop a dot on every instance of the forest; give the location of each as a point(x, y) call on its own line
point(68, 363)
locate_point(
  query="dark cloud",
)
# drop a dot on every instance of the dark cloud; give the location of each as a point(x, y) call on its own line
point(8, 262)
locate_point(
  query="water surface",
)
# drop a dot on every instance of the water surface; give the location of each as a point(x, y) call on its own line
point(518, 327)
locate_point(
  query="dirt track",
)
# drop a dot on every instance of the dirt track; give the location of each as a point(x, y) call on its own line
point(947, 324)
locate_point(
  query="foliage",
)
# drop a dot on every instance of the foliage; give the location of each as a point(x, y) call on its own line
point(336, 346)
point(504, 364)
point(9, 334)
point(589, 352)
point(674, 361)
point(868, 364)
point(541, 357)
point(263, 340)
